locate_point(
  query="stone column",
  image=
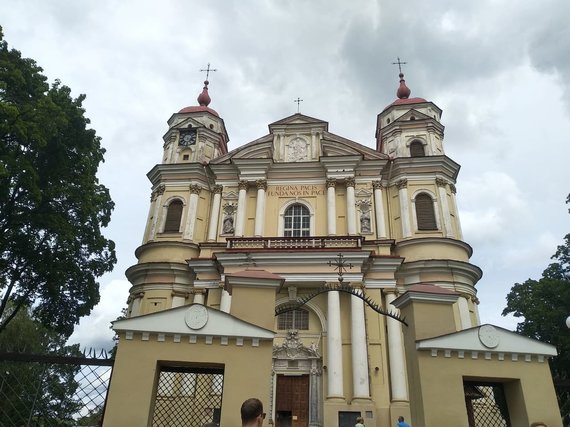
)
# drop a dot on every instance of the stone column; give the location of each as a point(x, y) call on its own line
point(397, 356)
point(156, 211)
point(215, 213)
point(404, 207)
point(475, 302)
point(350, 207)
point(454, 202)
point(240, 217)
point(260, 207)
point(315, 396)
point(441, 186)
point(136, 307)
point(464, 314)
point(199, 296)
point(179, 299)
point(331, 206)
point(226, 301)
point(334, 347)
point(360, 386)
point(379, 210)
point(192, 211)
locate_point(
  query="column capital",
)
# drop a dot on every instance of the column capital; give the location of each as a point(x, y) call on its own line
point(197, 291)
point(350, 182)
point(331, 182)
point(261, 184)
point(440, 182)
point(402, 183)
point(195, 189)
point(217, 189)
point(182, 294)
point(453, 188)
point(242, 185)
point(377, 185)
point(159, 191)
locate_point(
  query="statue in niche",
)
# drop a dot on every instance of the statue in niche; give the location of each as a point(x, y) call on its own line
point(228, 222)
point(297, 150)
point(365, 222)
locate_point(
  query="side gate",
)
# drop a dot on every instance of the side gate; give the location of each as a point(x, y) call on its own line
point(50, 390)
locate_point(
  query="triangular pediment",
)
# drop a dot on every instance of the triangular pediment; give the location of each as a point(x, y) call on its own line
point(412, 113)
point(261, 148)
point(298, 119)
point(487, 339)
point(333, 145)
point(194, 319)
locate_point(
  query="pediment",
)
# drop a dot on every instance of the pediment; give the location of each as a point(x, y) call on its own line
point(333, 145)
point(293, 348)
point(412, 113)
point(182, 321)
point(186, 122)
point(261, 148)
point(297, 119)
point(487, 339)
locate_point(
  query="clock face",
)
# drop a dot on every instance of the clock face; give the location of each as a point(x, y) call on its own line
point(196, 316)
point(187, 138)
point(489, 336)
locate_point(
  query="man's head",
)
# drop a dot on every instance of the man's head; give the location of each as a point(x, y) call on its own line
point(400, 418)
point(250, 410)
point(538, 424)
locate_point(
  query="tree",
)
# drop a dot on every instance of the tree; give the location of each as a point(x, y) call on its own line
point(42, 393)
point(52, 206)
point(545, 304)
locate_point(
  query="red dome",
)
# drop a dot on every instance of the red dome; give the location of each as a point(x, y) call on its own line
point(406, 101)
point(199, 109)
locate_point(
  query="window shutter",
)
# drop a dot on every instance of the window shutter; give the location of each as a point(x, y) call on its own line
point(425, 213)
point(417, 149)
point(173, 217)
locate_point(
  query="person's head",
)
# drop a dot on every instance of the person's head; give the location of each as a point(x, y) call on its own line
point(360, 420)
point(252, 409)
point(400, 418)
point(538, 424)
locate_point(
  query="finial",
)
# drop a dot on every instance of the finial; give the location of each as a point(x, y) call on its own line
point(204, 99)
point(403, 91)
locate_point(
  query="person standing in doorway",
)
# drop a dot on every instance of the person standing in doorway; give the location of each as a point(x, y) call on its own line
point(359, 422)
point(401, 422)
point(252, 414)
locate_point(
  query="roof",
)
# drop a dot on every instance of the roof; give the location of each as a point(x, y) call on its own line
point(198, 109)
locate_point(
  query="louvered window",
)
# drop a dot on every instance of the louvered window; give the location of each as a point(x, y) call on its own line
point(295, 319)
point(173, 217)
point(417, 149)
point(425, 212)
point(297, 221)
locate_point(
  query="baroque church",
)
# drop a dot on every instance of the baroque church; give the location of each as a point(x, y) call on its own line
point(327, 278)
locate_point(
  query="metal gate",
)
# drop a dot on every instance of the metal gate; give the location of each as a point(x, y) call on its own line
point(49, 390)
point(188, 396)
point(486, 404)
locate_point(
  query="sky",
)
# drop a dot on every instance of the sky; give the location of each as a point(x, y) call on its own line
point(499, 69)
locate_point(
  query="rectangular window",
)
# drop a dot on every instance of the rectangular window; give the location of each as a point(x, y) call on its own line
point(295, 319)
point(188, 396)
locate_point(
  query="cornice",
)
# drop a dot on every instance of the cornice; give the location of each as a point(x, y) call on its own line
point(418, 241)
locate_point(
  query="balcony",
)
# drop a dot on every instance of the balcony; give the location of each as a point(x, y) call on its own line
point(280, 243)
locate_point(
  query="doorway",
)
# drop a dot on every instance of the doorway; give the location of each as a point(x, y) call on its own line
point(292, 401)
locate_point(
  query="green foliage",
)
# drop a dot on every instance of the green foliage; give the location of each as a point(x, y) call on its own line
point(40, 393)
point(52, 206)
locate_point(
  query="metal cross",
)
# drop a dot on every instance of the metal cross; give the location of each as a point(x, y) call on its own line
point(399, 63)
point(298, 101)
point(341, 265)
point(207, 70)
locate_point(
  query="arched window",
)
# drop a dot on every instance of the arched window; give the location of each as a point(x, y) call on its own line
point(173, 217)
point(417, 149)
point(297, 221)
point(425, 212)
point(295, 319)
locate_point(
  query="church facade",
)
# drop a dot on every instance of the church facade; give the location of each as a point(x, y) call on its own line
point(236, 292)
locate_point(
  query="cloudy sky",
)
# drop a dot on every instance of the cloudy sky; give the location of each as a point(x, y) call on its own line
point(499, 69)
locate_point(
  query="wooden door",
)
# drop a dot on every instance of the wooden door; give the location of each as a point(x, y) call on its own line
point(292, 401)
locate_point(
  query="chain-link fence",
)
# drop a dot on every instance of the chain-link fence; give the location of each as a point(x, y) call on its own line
point(188, 396)
point(45, 391)
point(486, 405)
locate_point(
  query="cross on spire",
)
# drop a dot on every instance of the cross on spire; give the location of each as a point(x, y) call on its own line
point(399, 64)
point(298, 101)
point(207, 70)
point(341, 265)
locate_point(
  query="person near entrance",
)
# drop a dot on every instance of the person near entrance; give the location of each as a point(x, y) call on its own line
point(359, 422)
point(538, 424)
point(252, 414)
point(401, 422)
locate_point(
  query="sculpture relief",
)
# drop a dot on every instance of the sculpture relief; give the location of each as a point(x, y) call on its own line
point(228, 221)
point(297, 150)
point(364, 209)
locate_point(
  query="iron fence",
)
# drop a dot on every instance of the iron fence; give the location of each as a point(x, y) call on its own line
point(48, 390)
point(486, 405)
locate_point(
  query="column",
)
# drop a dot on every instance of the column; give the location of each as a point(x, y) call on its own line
point(240, 217)
point(198, 296)
point(379, 210)
point(350, 207)
point(464, 314)
point(136, 307)
point(454, 202)
point(334, 347)
point(404, 207)
point(331, 207)
point(441, 186)
point(226, 301)
point(315, 396)
point(215, 213)
point(260, 207)
point(360, 386)
point(157, 205)
point(475, 302)
point(178, 299)
point(396, 354)
point(192, 211)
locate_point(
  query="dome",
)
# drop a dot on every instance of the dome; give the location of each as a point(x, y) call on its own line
point(199, 109)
